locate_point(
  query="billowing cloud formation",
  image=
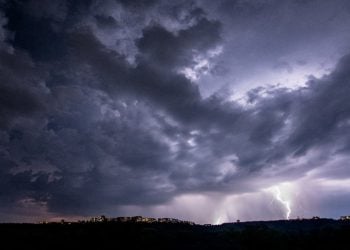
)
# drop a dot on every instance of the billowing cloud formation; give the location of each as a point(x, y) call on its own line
point(102, 111)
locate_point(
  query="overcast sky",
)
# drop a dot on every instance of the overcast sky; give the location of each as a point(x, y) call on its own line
point(209, 111)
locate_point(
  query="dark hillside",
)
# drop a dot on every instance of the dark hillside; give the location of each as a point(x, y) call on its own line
point(304, 234)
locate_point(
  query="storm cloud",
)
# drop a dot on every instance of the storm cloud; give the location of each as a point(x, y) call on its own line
point(125, 107)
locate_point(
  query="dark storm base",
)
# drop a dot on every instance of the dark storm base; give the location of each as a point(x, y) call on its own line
point(295, 234)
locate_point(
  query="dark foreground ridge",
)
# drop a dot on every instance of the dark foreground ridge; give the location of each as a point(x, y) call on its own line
point(292, 234)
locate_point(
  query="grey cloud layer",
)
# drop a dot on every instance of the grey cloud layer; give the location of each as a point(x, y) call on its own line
point(265, 41)
point(85, 129)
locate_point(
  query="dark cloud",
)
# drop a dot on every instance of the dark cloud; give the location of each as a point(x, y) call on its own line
point(170, 50)
point(22, 93)
point(97, 114)
point(323, 110)
point(33, 30)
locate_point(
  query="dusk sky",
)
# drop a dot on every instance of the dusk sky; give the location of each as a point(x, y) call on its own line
point(209, 111)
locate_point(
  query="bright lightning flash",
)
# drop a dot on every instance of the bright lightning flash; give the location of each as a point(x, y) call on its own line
point(277, 192)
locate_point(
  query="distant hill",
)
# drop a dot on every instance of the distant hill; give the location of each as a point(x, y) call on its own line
point(294, 234)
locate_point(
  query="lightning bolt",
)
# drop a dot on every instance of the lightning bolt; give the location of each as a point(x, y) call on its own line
point(218, 221)
point(285, 203)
